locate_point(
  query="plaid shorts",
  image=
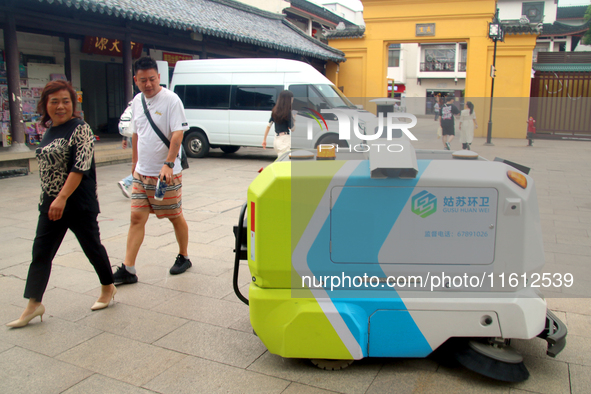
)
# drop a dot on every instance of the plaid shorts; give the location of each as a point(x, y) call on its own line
point(142, 196)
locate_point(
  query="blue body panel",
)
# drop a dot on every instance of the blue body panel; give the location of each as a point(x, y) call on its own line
point(376, 318)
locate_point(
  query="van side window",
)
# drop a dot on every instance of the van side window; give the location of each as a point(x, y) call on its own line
point(204, 96)
point(300, 97)
point(262, 98)
point(317, 101)
point(180, 91)
point(306, 96)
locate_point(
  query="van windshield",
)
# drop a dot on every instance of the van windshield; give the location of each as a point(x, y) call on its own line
point(334, 96)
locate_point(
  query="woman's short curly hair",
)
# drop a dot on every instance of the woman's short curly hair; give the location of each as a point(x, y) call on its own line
point(51, 88)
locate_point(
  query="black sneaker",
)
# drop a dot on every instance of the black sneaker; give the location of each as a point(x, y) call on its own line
point(123, 276)
point(180, 265)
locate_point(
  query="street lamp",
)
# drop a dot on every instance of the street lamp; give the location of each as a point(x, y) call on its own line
point(495, 33)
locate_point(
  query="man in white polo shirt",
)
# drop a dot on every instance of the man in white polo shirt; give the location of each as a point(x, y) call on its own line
point(153, 160)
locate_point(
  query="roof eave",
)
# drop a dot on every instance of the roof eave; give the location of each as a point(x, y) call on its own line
point(120, 13)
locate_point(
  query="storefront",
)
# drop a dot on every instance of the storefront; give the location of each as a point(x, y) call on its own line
point(93, 44)
point(96, 74)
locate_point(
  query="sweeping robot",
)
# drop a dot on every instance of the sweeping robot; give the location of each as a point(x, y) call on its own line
point(382, 250)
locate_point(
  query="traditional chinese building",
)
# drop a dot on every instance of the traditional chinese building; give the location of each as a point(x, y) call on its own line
point(93, 43)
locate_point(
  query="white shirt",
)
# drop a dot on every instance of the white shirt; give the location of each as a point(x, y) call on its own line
point(168, 113)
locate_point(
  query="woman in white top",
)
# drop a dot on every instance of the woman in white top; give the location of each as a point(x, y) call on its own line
point(467, 125)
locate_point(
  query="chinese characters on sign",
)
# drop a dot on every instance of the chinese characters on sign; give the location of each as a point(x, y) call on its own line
point(109, 47)
point(466, 201)
point(172, 58)
point(425, 29)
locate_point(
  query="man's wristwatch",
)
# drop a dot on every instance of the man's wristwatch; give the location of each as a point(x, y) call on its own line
point(169, 163)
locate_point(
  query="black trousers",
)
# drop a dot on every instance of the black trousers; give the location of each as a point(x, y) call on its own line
point(48, 239)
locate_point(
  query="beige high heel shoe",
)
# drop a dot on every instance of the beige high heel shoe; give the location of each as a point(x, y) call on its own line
point(39, 311)
point(102, 305)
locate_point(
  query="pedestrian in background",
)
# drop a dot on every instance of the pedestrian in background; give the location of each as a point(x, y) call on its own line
point(152, 161)
point(284, 123)
point(446, 119)
point(467, 125)
point(68, 198)
point(437, 107)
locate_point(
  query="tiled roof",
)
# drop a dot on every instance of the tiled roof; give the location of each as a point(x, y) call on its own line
point(348, 32)
point(562, 67)
point(547, 29)
point(562, 29)
point(574, 12)
point(320, 11)
point(516, 28)
point(220, 18)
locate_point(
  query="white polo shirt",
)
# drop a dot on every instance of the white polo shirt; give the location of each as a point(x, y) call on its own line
point(168, 113)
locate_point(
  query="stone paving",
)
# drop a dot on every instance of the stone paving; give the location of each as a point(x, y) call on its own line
point(190, 334)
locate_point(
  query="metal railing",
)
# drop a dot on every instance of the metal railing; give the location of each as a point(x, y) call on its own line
point(438, 66)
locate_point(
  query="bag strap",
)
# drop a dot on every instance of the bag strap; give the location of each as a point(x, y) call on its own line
point(156, 129)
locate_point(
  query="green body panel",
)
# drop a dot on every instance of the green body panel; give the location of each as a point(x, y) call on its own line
point(280, 190)
point(271, 193)
point(288, 326)
point(293, 327)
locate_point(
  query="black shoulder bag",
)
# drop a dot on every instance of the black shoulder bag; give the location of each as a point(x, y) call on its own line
point(181, 155)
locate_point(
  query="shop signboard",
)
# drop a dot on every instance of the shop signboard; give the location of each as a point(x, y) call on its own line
point(109, 47)
point(425, 29)
point(172, 58)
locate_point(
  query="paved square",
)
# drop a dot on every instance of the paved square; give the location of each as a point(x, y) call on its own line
point(189, 334)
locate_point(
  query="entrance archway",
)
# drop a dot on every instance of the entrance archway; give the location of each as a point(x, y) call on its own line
point(364, 74)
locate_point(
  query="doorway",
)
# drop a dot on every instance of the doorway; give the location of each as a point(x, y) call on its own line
point(103, 98)
point(115, 96)
point(433, 95)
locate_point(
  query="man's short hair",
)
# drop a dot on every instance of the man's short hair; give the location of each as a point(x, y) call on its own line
point(145, 63)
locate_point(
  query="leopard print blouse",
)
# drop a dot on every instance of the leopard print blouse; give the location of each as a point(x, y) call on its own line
point(67, 148)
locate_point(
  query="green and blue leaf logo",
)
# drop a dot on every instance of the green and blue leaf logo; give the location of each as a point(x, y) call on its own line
point(424, 204)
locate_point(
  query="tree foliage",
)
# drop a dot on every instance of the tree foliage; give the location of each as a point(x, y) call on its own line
point(587, 37)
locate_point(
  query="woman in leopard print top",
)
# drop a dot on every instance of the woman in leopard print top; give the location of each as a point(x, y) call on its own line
point(68, 198)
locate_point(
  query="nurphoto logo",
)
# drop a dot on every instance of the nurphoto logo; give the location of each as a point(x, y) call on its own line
point(386, 125)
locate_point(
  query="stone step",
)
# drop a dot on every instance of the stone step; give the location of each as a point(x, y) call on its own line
point(21, 163)
point(106, 156)
point(10, 172)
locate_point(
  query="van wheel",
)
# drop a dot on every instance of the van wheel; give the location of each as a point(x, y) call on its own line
point(196, 144)
point(332, 139)
point(229, 148)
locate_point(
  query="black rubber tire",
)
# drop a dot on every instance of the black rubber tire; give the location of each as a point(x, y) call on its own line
point(332, 139)
point(331, 365)
point(229, 148)
point(196, 144)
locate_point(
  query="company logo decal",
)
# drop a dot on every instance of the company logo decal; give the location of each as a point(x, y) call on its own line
point(424, 204)
point(316, 118)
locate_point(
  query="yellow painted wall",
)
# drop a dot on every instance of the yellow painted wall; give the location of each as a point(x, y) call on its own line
point(364, 74)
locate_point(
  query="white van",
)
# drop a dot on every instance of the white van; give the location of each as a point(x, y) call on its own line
point(228, 102)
